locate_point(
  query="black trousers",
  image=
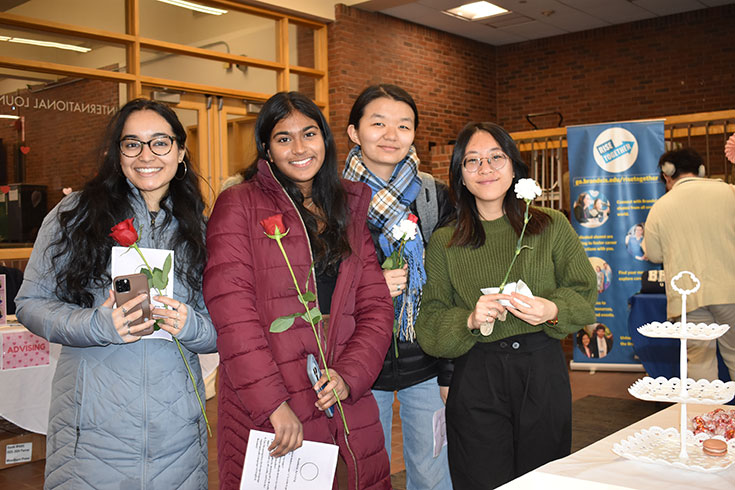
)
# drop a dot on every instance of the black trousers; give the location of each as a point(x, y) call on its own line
point(509, 411)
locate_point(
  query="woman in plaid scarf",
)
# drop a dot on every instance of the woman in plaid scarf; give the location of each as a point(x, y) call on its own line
point(382, 125)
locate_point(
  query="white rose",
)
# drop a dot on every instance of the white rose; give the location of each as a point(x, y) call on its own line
point(405, 228)
point(527, 189)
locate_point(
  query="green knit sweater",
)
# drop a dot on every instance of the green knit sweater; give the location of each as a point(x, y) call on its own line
point(556, 268)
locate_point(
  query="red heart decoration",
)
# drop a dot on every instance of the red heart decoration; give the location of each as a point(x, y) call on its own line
point(25, 149)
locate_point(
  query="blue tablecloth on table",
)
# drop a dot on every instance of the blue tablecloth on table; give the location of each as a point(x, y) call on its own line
point(660, 357)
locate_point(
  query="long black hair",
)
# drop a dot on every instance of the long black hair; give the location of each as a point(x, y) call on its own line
point(327, 192)
point(82, 250)
point(469, 230)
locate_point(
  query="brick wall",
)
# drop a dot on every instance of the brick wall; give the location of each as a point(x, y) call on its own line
point(451, 78)
point(63, 140)
point(671, 65)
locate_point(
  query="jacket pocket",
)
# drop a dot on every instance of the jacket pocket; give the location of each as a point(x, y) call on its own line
point(79, 405)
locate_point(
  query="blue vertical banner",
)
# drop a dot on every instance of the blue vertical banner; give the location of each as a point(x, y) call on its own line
point(614, 181)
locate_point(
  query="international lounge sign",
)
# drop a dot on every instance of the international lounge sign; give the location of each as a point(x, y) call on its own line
point(11, 102)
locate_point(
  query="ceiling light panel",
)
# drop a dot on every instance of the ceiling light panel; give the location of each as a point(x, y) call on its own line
point(476, 11)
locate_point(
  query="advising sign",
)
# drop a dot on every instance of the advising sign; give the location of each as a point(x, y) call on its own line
point(23, 350)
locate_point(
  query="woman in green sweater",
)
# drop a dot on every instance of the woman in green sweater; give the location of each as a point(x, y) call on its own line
point(509, 406)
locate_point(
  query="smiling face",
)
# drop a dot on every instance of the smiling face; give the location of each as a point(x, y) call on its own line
point(296, 147)
point(585, 340)
point(487, 185)
point(385, 134)
point(149, 172)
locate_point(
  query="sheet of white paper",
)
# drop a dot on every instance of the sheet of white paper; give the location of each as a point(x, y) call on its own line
point(519, 287)
point(440, 430)
point(310, 467)
point(127, 261)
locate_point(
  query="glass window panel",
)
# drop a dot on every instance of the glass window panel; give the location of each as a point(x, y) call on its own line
point(105, 56)
point(108, 15)
point(304, 84)
point(301, 45)
point(56, 142)
point(234, 32)
point(206, 72)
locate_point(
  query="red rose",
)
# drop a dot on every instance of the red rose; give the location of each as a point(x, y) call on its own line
point(413, 218)
point(273, 225)
point(124, 233)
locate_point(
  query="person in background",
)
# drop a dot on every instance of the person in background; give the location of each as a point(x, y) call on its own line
point(691, 228)
point(123, 412)
point(509, 405)
point(247, 285)
point(583, 342)
point(584, 201)
point(603, 342)
point(382, 125)
point(633, 242)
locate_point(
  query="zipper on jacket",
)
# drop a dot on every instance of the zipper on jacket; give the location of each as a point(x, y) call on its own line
point(145, 416)
point(76, 441)
point(354, 462)
point(79, 401)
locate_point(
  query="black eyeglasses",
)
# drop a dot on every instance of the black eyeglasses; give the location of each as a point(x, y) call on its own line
point(496, 161)
point(160, 146)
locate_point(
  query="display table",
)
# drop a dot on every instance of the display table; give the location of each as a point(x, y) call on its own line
point(597, 467)
point(27, 392)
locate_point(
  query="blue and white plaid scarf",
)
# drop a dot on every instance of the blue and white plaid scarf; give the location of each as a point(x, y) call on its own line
point(389, 206)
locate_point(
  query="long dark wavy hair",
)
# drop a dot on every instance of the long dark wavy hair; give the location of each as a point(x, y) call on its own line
point(327, 192)
point(468, 229)
point(82, 250)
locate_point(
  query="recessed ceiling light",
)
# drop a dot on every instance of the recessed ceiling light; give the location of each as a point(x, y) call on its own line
point(476, 11)
point(46, 44)
point(195, 6)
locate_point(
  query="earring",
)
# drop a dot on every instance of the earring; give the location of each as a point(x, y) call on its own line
point(186, 169)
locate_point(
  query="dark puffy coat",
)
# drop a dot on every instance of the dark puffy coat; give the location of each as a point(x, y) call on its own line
point(413, 365)
point(247, 285)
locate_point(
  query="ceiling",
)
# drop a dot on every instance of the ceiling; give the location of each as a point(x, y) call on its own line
point(533, 19)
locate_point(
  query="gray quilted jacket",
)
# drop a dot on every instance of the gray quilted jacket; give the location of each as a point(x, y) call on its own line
point(123, 416)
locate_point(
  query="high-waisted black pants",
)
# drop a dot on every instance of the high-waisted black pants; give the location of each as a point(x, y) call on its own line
point(509, 410)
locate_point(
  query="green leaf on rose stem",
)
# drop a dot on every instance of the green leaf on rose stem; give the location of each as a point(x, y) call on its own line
point(316, 315)
point(148, 274)
point(166, 270)
point(389, 263)
point(281, 324)
point(158, 281)
point(308, 296)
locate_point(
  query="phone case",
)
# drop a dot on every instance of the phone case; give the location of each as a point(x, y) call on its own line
point(138, 284)
point(314, 373)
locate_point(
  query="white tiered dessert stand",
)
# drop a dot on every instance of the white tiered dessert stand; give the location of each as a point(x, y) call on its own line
point(679, 448)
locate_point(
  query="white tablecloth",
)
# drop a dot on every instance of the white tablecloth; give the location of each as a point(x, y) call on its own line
point(26, 393)
point(597, 467)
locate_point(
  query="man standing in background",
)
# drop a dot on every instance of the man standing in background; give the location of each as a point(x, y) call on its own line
point(692, 228)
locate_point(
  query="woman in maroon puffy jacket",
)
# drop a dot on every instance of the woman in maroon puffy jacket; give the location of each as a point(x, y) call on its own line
point(263, 381)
